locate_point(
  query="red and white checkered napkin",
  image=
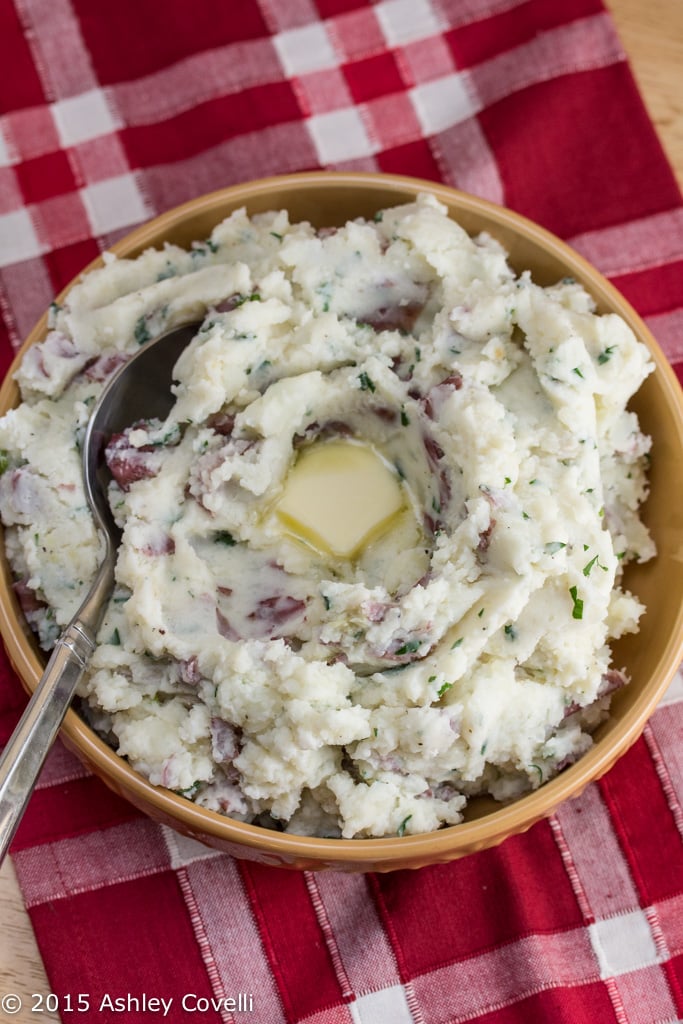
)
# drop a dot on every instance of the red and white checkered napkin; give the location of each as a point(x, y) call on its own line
point(112, 112)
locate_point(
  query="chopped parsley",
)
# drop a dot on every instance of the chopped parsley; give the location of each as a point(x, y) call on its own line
point(366, 382)
point(443, 689)
point(324, 290)
point(200, 250)
point(191, 791)
point(401, 830)
point(409, 647)
point(141, 331)
point(224, 537)
point(577, 610)
point(589, 565)
point(606, 354)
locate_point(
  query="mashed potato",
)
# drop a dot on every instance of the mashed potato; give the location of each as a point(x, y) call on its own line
point(460, 649)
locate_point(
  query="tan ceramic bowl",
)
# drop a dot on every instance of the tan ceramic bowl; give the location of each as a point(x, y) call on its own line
point(651, 657)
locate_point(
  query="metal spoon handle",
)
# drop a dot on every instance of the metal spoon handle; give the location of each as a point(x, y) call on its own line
point(141, 387)
point(27, 749)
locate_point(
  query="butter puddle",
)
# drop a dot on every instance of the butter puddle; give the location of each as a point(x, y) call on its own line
point(339, 496)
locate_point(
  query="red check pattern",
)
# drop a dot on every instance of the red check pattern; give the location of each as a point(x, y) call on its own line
point(111, 113)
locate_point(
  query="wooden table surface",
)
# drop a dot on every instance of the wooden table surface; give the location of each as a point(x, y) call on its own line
point(652, 34)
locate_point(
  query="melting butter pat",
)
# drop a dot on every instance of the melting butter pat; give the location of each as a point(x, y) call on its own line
point(339, 496)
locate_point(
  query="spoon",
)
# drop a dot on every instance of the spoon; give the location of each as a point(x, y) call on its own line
point(140, 389)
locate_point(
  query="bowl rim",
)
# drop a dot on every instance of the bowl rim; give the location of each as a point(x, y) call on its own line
point(390, 851)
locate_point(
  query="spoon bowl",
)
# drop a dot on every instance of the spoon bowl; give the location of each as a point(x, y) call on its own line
point(139, 389)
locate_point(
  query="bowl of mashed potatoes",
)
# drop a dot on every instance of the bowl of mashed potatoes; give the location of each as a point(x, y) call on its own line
point(400, 571)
